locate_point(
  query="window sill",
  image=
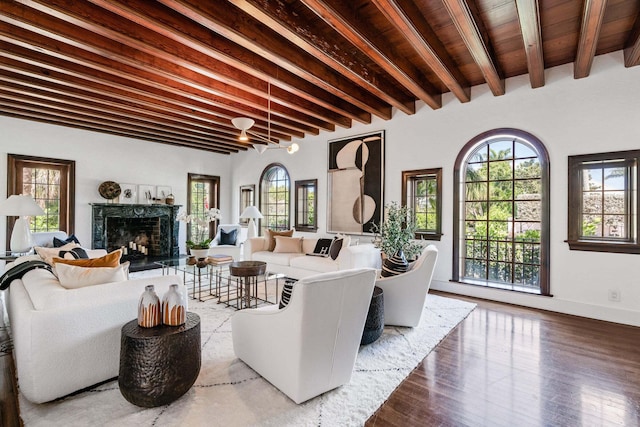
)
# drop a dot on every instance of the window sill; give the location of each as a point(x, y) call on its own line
point(612, 247)
point(428, 236)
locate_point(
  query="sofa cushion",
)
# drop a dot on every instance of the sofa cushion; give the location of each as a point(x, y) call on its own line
point(271, 234)
point(322, 247)
point(228, 238)
point(276, 259)
point(288, 244)
point(47, 254)
point(314, 263)
point(336, 245)
point(287, 291)
point(58, 243)
point(112, 259)
point(72, 277)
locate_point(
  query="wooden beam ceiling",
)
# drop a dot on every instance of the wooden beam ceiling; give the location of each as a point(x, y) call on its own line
point(177, 71)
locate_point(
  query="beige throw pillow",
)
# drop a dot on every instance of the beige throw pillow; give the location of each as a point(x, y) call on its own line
point(73, 277)
point(271, 234)
point(47, 254)
point(288, 244)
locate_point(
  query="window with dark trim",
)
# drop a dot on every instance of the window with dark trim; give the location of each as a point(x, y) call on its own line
point(203, 194)
point(51, 183)
point(422, 193)
point(603, 202)
point(275, 188)
point(306, 205)
point(501, 219)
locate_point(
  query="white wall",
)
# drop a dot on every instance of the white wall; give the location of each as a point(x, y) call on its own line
point(596, 114)
point(101, 157)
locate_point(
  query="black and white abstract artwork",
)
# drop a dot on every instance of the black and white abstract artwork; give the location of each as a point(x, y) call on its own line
point(356, 183)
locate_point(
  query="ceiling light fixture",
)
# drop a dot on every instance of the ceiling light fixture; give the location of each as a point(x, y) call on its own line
point(245, 123)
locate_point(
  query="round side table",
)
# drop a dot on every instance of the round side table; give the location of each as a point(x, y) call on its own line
point(374, 324)
point(158, 365)
point(248, 272)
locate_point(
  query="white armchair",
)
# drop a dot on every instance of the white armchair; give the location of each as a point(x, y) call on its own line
point(405, 294)
point(310, 346)
point(216, 247)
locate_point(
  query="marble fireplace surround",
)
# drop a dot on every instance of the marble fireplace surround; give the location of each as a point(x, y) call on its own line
point(163, 242)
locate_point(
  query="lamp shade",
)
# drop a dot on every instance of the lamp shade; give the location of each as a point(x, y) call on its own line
point(260, 148)
point(20, 205)
point(242, 123)
point(251, 212)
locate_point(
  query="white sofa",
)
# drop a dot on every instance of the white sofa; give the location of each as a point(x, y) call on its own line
point(69, 339)
point(310, 346)
point(299, 265)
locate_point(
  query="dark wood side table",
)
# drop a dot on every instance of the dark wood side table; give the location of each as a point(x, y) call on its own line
point(158, 365)
point(374, 324)
point(247, 272)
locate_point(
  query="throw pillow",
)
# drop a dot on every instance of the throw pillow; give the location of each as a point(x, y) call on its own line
point(334, 249)
point(287, 291)
point(228, 238)
point(73, 277)
point(112, 259)
point(288, 244)
point(271, 234)
point(58, 243)
point(47, 254)
point(322, 247)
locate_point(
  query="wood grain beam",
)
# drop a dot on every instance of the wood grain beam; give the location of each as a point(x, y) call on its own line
point(529, 16)
point(408, 20)
point(250, 33)
point(166, 22)
point(46, 117)
point(320, 43)
point(363, 37)
point(632, 46)
point(476, 39)
point(130, 51)
point(592, 17)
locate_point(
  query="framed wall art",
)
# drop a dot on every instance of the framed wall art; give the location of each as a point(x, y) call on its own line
point(356, 183)
point(146, 194)
point(129, 195)
point(162, 191)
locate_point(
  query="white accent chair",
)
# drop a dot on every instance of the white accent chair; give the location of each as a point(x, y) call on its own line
point(405, 294)
point(310, 346)
point(215, 248)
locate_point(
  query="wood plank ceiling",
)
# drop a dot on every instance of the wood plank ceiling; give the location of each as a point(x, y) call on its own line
point(177, 71)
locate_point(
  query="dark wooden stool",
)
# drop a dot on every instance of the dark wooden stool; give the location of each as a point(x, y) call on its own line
point(158, 365)
point(374, 325)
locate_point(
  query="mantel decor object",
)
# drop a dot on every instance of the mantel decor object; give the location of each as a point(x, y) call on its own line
point(149, 309)
point(109, 190)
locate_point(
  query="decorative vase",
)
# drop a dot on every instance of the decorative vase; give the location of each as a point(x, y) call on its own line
point(149, 310)
point(174, 307)
point(199, 253)
point(395, 265)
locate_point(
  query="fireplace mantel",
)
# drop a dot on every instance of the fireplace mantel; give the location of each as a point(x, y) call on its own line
point(169, 229)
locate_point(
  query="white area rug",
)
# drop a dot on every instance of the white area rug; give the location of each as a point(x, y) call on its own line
point(229, 393)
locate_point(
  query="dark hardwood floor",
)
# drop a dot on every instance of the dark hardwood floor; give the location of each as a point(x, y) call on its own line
point(504, 366)
point(513, 366)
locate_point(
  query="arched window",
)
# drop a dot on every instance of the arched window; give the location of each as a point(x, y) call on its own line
point(275, 187)
point(501, 220)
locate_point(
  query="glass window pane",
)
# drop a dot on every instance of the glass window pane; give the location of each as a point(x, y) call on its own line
point(614, 202)
point(501, 190)
point(529, 168)
point(528, 210)
point(501, 170)
point(475, 210)
point(476, 191)
point(523, 150)
point(614, 178)
point(476, 172)
point(500, 210)
point(591, 202)
point(480, 155)
point(592, 179)
point(591, 226)
point(530, 187)
point(501, 150)
point(615, 226)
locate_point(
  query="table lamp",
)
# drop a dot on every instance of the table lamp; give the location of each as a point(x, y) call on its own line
point(251, 212)
point(22, 206)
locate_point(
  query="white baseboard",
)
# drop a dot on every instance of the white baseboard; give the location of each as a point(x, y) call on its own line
point(609, 314)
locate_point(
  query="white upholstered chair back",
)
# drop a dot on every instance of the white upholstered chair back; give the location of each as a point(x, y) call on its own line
point(233, 250)
point(405, 294)
point(310, 346)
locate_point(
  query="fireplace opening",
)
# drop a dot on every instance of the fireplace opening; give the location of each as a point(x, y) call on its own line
point(138, 237)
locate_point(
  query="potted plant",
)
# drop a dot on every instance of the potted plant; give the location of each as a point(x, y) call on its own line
point(396, 239)
point(199, 244)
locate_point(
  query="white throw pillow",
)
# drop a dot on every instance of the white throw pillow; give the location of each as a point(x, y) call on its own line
point(72, 277)
point(288, 244)
point(47, 254)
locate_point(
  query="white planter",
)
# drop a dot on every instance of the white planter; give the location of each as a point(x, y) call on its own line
point(199, 253)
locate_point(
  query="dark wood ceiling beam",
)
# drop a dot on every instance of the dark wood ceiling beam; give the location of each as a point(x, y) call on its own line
point(317, 41)
point(377, 48)
point(88, 65)
point(47, 117)
point(253, 35)
point(592, 17)
point(472, 31)
point(164, 21)
point(92, 115)
point(143, 63)
point(408, 20)
point(99, 91)
point(529, 16)
point(98, 108)
point(632, 46)
point(120, 30)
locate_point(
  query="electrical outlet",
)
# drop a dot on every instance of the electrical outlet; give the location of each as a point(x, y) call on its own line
point(614, 295)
